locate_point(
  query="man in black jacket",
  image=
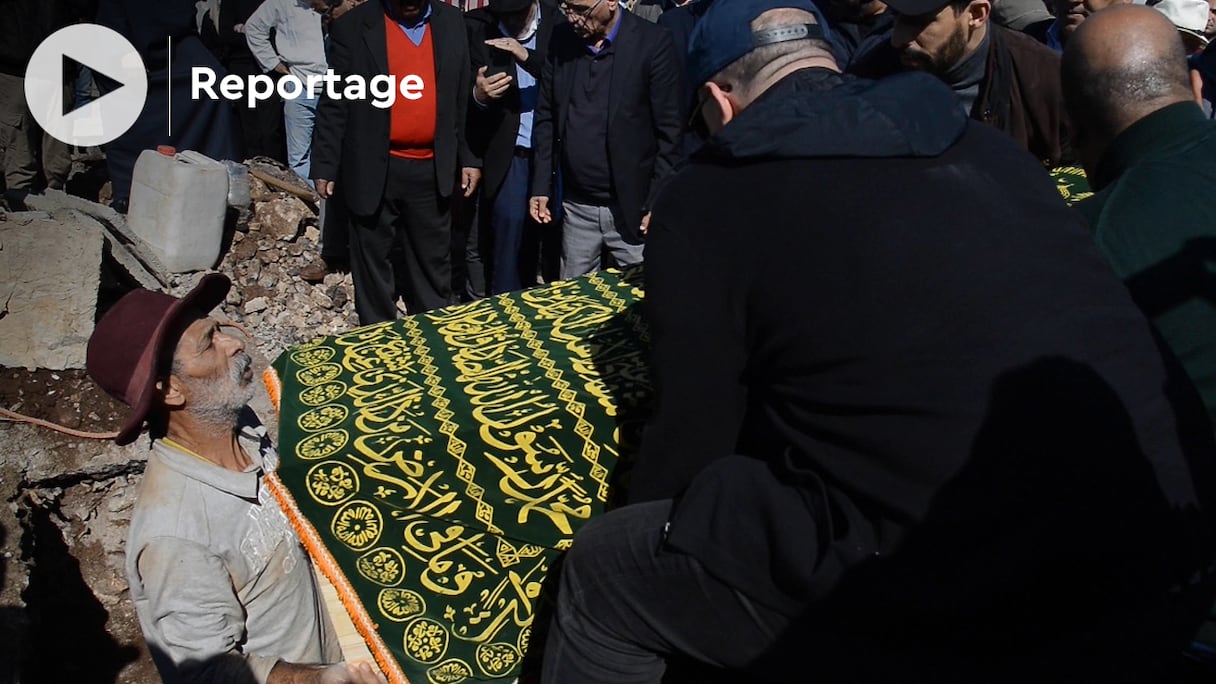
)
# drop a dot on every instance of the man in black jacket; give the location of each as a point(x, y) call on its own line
point(508, 43)
point(608, 119)
point(160, 30)
point(1002, 77)
point(261, 123)
point(909, 426)
point(397, 171)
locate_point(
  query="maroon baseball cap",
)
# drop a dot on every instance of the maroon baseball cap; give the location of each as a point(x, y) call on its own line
point(132, 337)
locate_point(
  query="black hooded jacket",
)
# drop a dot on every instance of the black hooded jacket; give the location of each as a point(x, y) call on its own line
point(902, 399)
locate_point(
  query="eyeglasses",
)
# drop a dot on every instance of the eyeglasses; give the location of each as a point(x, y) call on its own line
point(696, 122)
point(576, 12)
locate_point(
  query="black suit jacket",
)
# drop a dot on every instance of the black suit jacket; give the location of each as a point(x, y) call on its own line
point(644, 115)
point(351, 138)
point(492, 128)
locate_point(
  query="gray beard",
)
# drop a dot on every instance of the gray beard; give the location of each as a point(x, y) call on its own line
point(219, 401)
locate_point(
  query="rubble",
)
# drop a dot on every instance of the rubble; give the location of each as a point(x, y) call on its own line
point(65, 503)
point(132, 254)
point(264, 260)
point(49, 279)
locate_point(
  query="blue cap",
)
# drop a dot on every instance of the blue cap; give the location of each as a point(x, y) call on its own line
point(724, 33)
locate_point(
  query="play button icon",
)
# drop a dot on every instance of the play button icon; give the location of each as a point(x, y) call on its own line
point(109, 56)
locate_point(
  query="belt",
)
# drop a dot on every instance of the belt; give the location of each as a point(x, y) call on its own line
point(525, 152)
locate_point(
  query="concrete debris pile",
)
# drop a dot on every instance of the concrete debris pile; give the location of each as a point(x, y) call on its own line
point(65, 503)
point(274, 240)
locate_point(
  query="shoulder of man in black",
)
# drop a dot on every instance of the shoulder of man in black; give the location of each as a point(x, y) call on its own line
point(564, 44)
point(882, 60)
point(480, 15)
point(1036, 69)
point(1023, 43)
point(351, 23)
point(1028, 57)
point(649, 31)
point(444, 13)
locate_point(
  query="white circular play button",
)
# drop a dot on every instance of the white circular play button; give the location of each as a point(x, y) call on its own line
point(109, 55)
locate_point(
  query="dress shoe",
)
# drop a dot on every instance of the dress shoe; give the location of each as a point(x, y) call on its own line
point(315, 272)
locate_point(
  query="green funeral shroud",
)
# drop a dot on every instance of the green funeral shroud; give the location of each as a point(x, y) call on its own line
point(437, 465)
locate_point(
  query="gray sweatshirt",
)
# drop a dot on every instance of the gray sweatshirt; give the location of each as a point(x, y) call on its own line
point(220, 581)
point(298, 37)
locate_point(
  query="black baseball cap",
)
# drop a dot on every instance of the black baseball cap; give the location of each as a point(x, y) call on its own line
point(916, 8)
point(500, 7)
point(724, 33)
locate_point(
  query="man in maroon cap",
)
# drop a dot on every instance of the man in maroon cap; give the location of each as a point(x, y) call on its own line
point(222, 586)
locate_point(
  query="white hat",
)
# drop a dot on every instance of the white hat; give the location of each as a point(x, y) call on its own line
point(1189, 16)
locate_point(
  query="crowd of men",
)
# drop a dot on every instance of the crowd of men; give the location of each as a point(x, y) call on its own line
point(560, 123)
point(916, 418)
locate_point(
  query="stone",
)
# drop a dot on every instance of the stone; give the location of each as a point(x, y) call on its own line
point(134, 255)
point(24, 218)
point(337, 295)
point(312, 234)
point(260, 192)
point(50, 272)
point(255, 291)
point(281, 218)
point(322, 300)
point(242, 251)
point(256, 305)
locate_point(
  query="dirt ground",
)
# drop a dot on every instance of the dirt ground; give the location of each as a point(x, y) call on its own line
point(67, 506)
point(68, 398)
point(65, 609)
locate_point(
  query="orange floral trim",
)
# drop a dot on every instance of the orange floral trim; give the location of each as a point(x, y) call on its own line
point(274, 387)
point(325, 561)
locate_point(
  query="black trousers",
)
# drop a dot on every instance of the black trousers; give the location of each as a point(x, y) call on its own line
point(262, 130)
point(627, 604)
point(413, 212)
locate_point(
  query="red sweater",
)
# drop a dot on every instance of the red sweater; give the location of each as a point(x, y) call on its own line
point(412, 129)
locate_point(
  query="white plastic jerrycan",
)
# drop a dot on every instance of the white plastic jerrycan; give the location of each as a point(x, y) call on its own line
point(178, 203)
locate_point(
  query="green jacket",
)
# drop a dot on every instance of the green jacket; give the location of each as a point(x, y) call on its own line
point(1154, 217)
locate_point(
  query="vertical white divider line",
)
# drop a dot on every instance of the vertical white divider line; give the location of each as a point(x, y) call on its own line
point(169, 76)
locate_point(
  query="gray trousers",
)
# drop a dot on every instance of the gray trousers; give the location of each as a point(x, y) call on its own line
point(587, 231)
point(20, 139)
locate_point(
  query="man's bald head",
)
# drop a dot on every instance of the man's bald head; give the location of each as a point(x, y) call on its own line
point(1122, 64)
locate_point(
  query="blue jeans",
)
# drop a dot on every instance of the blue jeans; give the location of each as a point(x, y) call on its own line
point(511, 224)
point(299, 116)
point(82, 88)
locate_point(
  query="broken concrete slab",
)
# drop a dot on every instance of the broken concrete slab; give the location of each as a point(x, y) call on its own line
point(50, 271)
point(139, 260)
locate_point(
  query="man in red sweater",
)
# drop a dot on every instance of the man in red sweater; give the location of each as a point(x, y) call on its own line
point(399, 165)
